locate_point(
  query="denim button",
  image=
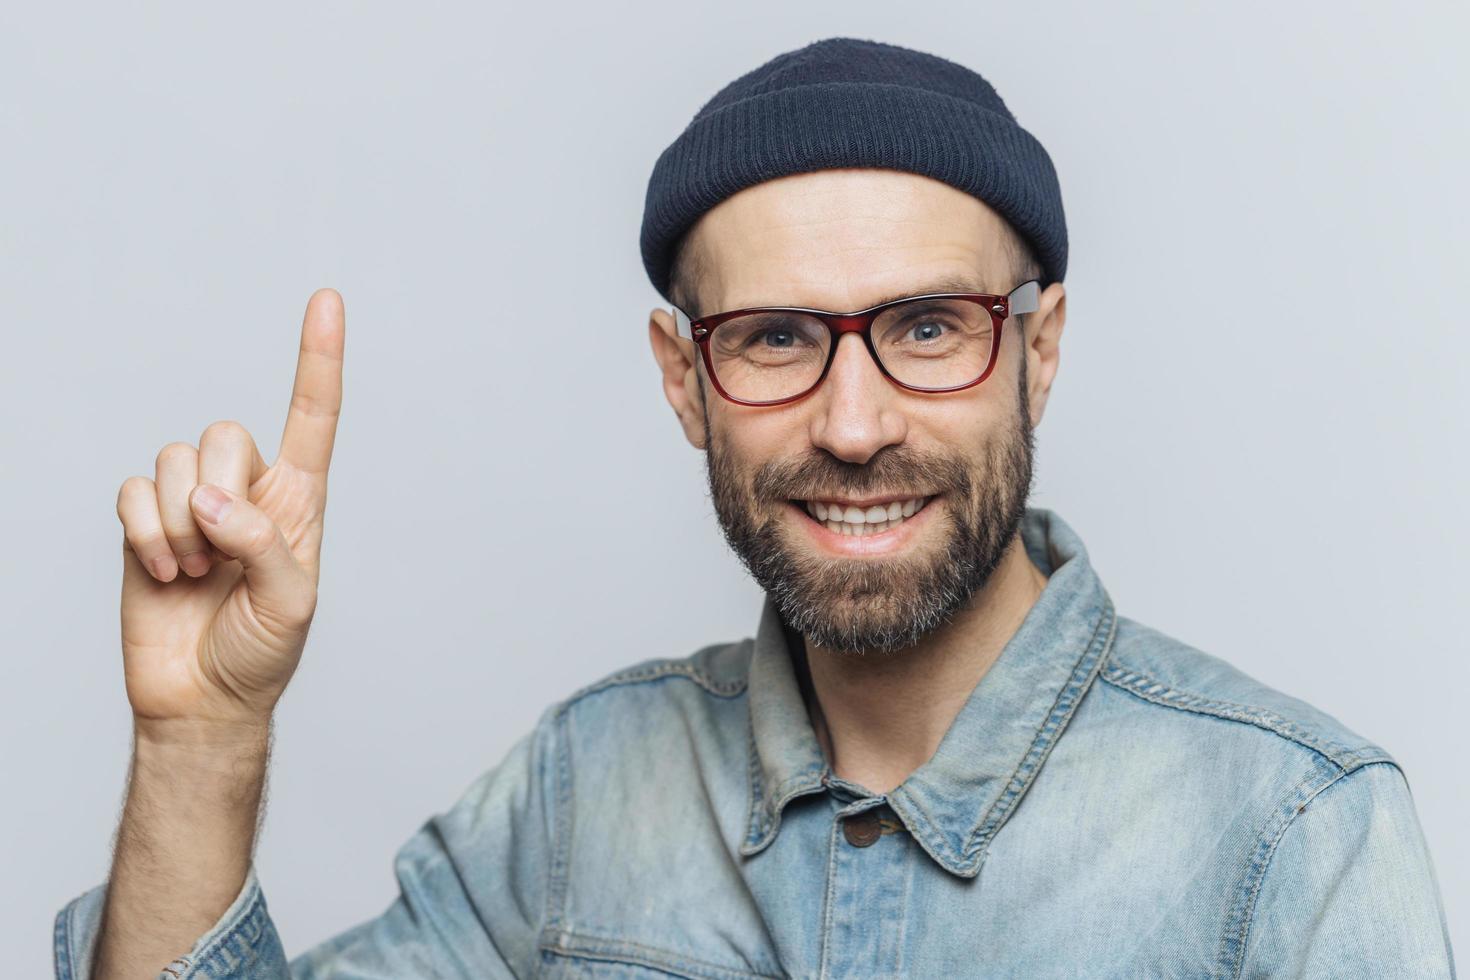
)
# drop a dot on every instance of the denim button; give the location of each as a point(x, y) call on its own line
point(862, 829)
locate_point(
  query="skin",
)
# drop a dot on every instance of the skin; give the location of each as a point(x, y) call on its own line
point(845, 240)
point(209, 643)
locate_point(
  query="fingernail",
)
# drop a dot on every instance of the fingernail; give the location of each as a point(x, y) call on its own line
point(163, 567)
point(196, 563)
point(211, 503)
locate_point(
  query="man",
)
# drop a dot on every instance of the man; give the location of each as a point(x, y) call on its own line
point(943, 753)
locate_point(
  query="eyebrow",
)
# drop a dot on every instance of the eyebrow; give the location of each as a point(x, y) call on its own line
point(948, 285)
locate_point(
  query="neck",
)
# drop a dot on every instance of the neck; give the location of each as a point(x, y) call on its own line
point(879, 717)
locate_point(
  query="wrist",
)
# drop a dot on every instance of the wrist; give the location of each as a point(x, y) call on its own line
point(206, 775)
point(250, 736)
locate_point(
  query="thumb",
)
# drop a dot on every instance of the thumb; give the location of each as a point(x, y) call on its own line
point(242, 530)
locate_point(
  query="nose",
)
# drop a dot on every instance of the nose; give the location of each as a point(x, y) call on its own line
point(856, 408)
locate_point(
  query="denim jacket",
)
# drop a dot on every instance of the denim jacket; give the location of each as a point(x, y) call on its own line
point(1109, 802)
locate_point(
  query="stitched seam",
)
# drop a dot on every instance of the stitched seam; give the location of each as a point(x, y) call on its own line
point(1151, 689)
point(251, 910)
point(557, 895)
point(966, 863)
point(832, 846)
point(626, 951)
point(61, 945)
point(1233, 942)
point(756, 832)
point(658, 671)
point(798, 785)
point(905, 907)
point(931, 839)
point(561, 821)
point(1063, 708)
point(765, 815)
point(1230, 950)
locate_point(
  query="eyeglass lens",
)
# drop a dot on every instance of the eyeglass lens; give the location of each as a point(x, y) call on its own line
point(926, 343)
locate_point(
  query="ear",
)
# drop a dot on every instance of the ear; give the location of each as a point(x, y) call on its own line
point(678, 360)
point(1043, 339)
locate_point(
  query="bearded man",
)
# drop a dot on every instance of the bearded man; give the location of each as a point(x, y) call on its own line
point(943, 753)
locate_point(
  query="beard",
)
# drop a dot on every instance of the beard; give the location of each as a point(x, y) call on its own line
point(887, 604)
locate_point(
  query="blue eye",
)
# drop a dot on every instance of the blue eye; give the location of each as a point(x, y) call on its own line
point(783, 338)
point(927, 330)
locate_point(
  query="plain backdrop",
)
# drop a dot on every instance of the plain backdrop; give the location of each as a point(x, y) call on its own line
point(1258, 428)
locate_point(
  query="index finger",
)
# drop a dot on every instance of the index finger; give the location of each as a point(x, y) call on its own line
point(316, 399)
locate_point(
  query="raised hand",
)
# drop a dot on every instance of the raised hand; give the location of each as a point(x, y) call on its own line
point(221, 552)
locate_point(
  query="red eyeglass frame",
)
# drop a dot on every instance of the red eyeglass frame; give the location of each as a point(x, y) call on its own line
point(1025, 298)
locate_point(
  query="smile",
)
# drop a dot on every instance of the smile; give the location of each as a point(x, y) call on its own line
point(862, 520)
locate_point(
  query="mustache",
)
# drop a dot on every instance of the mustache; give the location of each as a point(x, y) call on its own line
point(893, 469)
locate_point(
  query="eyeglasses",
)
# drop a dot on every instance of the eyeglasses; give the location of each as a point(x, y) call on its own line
point(771, 355)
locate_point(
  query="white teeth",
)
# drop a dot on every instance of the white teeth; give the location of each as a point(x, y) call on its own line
point(859, 522)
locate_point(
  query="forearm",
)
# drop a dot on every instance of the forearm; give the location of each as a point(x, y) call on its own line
point(184, 844)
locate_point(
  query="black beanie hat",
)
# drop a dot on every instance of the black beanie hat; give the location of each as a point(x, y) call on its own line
point(845, 102)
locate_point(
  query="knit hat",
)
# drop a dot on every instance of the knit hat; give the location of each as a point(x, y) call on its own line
point(845, 102)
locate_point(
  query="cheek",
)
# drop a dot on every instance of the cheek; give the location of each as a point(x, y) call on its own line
point(963, 423)
point(755, 436)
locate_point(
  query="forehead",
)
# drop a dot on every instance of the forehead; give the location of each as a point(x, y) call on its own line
point(847, 239)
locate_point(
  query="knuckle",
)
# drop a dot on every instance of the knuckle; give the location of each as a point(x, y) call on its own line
point(147, 544)
point(314, 407)
point(183, 534)
point(260, 537)
point(225, 430)
point(133, 487)
point(176, 450)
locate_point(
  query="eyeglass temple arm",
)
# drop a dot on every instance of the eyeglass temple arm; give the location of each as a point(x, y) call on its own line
point(1025, 298)
point(681, 321)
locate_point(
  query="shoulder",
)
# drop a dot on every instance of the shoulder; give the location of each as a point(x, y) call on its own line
point(719, 669)
point(1297, 805)
point(679, 709)
point(1190, 687)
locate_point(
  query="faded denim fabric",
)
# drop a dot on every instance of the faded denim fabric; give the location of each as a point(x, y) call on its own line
point(1110, 802)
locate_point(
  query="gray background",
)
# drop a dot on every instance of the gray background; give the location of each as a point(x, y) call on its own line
point(1258, 425)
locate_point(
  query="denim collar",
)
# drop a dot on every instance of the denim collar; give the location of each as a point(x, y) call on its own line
point(956, 802)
